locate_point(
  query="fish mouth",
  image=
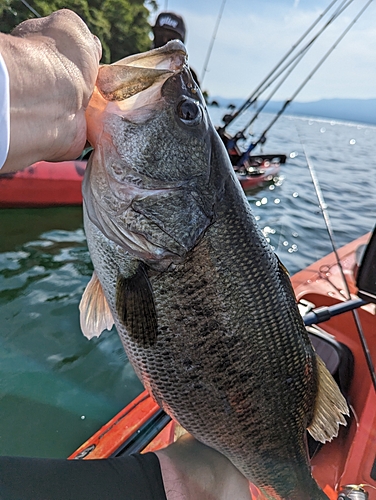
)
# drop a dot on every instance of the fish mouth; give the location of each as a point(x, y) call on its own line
point(136, 73)
point(172, 56)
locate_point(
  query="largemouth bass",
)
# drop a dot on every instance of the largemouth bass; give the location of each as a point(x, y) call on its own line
point(203, 306)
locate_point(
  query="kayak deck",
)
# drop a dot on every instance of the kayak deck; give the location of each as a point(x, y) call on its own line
point(349, 458)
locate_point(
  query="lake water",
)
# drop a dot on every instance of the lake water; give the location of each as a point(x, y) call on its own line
point(56, 387)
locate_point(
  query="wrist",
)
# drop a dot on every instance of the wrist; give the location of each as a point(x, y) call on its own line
point(192, 470)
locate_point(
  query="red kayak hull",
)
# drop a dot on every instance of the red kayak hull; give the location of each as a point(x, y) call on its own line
point(249, 182)
point(349, 458)
point(43, 184)
point(46, 184)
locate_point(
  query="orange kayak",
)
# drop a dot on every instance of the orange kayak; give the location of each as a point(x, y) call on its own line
point(43, 184)
point(46, 184)
point(350, 459)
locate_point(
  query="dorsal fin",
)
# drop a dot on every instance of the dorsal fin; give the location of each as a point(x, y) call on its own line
point(330, 407)
point(95, 313)
point(136, 308)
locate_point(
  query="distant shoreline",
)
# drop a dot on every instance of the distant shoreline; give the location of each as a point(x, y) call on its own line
point(353, 110)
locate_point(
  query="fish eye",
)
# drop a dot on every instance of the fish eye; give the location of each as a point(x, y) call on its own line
point(189, 111)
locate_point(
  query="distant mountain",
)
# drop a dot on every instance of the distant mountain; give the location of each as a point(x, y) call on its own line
point(355, 110)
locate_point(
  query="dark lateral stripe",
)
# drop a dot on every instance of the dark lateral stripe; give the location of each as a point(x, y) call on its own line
point(147, 432)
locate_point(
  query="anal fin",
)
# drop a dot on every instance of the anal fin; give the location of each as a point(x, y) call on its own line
point(330, 407)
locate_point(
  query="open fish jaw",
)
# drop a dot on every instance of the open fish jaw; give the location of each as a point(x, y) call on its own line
point(134, 74)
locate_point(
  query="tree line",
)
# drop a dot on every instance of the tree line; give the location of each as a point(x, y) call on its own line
point(121, 25)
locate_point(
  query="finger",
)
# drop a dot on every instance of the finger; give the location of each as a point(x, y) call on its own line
point(98, 46)
point(62, 26)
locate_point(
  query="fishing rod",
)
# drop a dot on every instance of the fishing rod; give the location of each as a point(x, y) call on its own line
point(212, 41)
point(250, 100)
point(296, 59)
point(36, 14)
point(262, 138)
point(256, 115)
point(325, 214)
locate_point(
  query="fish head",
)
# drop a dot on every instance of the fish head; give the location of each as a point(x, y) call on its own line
point(131, 87)
point(149, 184)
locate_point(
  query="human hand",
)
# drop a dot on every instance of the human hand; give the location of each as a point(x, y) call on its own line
point(53, 64)
point(192, 470)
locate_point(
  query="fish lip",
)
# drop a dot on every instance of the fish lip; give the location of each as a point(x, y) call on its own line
point(173, 57)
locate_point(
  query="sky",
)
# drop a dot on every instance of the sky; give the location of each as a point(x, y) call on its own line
point(254, 35)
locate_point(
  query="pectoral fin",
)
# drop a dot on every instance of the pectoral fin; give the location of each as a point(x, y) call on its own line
point(95, 314)
point(330, 407)
point(136, 308)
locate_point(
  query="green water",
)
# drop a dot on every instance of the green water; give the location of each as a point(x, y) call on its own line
point(56, 387)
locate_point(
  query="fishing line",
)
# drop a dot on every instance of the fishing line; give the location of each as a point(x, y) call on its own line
point(262, 138)
point(335, 15)
point(251, 98)
point(212, 42)
point(31, 8)
point(259, 110)
point(294, 62)
point(323, 208)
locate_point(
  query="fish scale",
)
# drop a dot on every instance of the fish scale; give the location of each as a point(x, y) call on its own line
point(226, 384)
point(220, 404)
point(204, 308)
